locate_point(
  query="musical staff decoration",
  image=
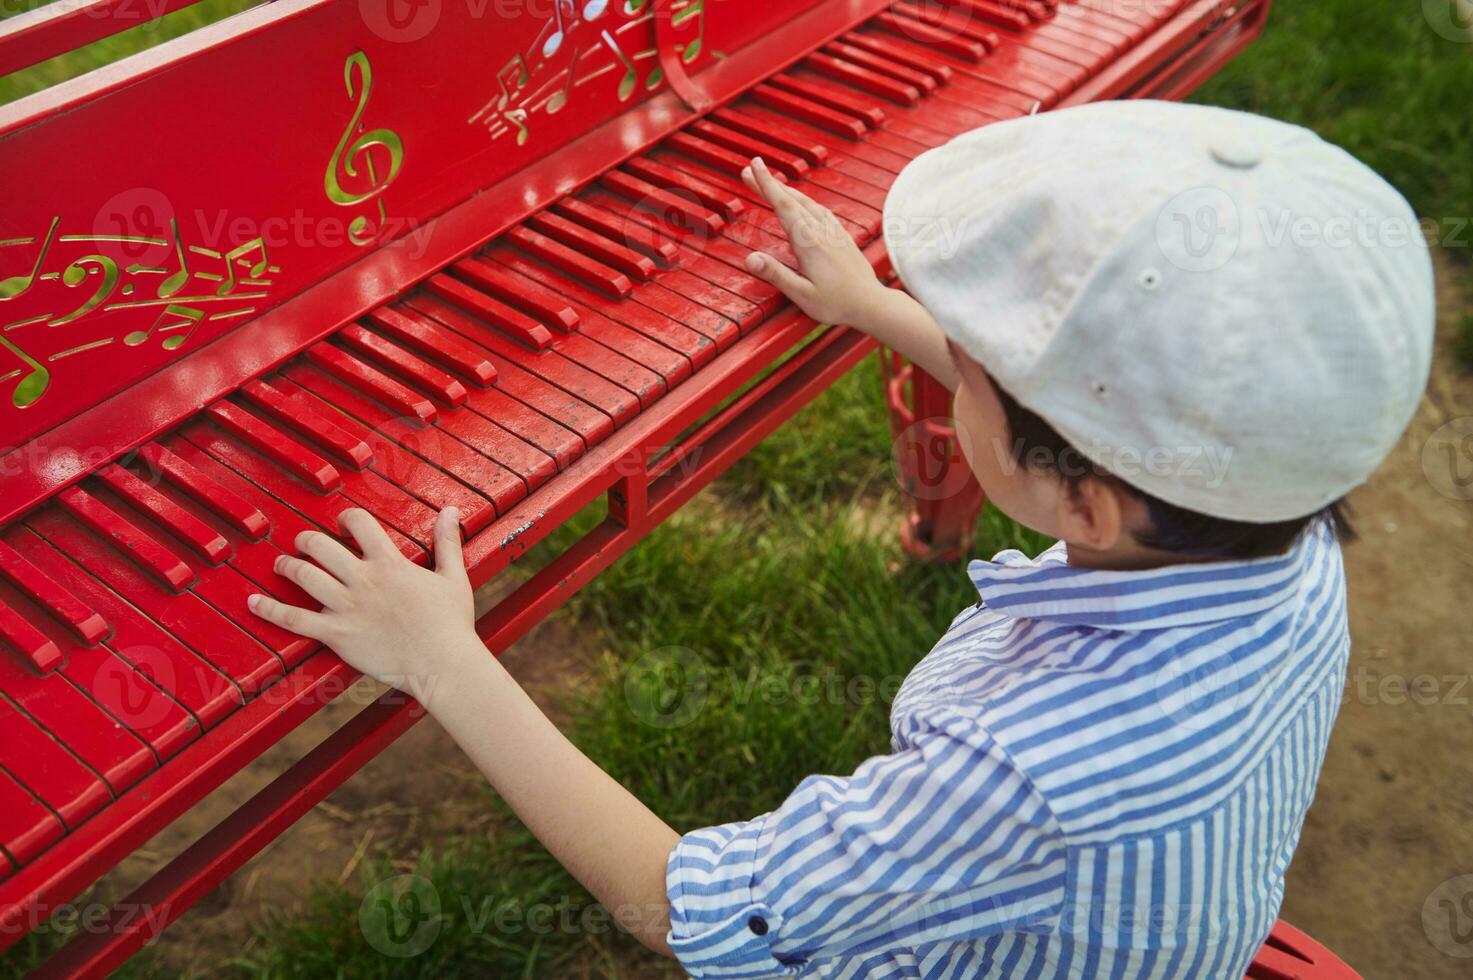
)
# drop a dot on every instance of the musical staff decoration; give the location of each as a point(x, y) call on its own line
point(577, 46)
point(71, 281)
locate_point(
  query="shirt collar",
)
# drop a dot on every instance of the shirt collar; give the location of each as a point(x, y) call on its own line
point(1158, 598)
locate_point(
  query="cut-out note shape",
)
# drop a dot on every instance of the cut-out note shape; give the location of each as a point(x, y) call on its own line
point(555, 40)
point(33, 383)
point(15, 285)
point(172, 317)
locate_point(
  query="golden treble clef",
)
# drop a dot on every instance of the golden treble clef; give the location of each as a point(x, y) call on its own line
point(350, 149)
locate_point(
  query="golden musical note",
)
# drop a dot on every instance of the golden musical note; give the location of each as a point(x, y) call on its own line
point(176, 282)
point(171, 317)
point(237, 256)
point(631, 76)
point(15, 285)
point(35, 382)
point(347, 153)
point(519, 64)
point(77, 273)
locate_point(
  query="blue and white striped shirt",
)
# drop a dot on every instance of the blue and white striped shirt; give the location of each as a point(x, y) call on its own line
point(1095, 774)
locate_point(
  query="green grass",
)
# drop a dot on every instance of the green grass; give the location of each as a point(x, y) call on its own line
point(1374, 77)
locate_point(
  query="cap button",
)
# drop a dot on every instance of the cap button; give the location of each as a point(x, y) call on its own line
point(1237, 153)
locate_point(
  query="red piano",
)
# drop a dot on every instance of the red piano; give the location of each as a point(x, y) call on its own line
point(323, 255)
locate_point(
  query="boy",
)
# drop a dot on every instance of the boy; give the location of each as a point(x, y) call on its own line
point(1103, 767)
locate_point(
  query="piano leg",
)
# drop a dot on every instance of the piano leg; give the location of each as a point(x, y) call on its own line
point(945, 498)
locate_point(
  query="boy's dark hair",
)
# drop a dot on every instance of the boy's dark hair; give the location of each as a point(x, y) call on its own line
point(1173, 529)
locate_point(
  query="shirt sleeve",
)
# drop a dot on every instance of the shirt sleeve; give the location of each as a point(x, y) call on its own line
point(942, 841)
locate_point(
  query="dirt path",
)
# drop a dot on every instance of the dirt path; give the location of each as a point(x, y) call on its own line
point(1393, 818)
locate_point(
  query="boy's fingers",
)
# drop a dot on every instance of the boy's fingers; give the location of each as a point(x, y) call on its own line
point(769, 269)
point(372, 539)
point(313, 580)
point(792, 214)
point(328, 552)
point(448, 558)
point(303, 622)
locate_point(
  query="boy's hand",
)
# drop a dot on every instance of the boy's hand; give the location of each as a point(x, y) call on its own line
point(835, 282)
point(386, 616)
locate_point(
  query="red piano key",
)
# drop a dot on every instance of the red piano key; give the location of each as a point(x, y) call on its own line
point(308, 421)
point(427, 462)
point(1009, 18)
point(234, 511)
point(292, 455)
point(436, 343)
point(54, 704)
point(715, 156)
point(540, 304)
point(514, 323)
point(407, 367)
point(917, 79)
point(204, 540)
point(612, 226)
point(130, 697)
point(729, 206)
point(902, 55)
point(745, 147)
point(25, 639)
point(952, 21)
point(814, 153)
point(863, 78)
point(372, 382)
point(214, 638)
point(49, 771)
point(26, 827)
point(126, 536)
point(808, 111)
point(86, 624)
point(666, 363)
point(169, 663)
point(612, 383)
point(717, 331)
point(836, 97)
point(594, 245)
point(661, 200)
point(947, 42)
point(292, 507)
point(574, 263)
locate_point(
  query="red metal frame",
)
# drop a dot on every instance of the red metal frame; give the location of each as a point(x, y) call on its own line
point(643, 475)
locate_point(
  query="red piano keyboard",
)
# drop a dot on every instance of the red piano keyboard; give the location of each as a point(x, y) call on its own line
point(610, 341)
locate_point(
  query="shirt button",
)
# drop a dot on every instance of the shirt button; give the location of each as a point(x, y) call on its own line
point(758, 925)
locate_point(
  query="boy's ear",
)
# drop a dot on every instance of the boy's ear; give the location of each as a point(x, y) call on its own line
point(1090, 513)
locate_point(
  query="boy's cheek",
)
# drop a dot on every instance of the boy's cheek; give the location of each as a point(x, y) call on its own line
point(1011, 486)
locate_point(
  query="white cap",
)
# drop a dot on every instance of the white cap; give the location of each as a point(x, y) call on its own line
point(1222, 310)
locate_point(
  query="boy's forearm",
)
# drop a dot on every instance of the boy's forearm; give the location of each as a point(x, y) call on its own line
point(610, 841)
point(895, 319)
